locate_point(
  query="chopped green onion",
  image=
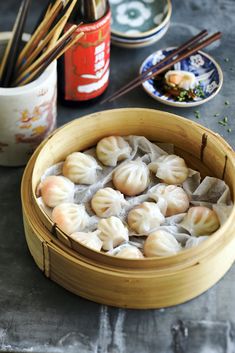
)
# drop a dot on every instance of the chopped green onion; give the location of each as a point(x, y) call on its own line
point(225, 119)
point(197, 114)
point(221, 122)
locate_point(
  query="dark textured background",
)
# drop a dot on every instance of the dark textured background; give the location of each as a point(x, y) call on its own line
point(36, 315)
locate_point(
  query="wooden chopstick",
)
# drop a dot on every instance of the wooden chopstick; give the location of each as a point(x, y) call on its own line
point(40, 32)
point(180, 57)
point(44, 13)
point(12, 50)
point(40, 48)
point(52, 37)
point(67, 44)
point(45, 55)
point(178, 50)
point(64, 18)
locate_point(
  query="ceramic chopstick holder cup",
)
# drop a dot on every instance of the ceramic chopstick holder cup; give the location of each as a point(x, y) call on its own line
point(27, 114)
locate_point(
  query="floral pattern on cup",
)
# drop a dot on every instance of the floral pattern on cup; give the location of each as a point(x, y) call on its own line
point(38, 123)
point(28, 113)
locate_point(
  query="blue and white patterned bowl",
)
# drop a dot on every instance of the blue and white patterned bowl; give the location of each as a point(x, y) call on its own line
point(137, 19)
point(204, 67)
point(139, 43)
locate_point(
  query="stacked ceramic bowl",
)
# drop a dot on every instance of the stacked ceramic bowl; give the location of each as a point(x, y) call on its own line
point(139, 23)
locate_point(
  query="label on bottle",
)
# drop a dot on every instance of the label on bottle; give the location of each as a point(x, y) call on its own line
point(87, 62)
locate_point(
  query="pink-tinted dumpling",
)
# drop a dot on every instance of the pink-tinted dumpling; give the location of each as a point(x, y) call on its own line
point(161, 243)
point(107, 202)
point(56, 190)
point(172, 198)
point(145, 218)
point(112, 149)
point(200, 220)
point(171, 169)
point(112, 232)
point(70, 217)
point(131, 178)
point(81, 168)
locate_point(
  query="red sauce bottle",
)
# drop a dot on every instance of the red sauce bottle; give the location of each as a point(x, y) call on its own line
point(84, 69)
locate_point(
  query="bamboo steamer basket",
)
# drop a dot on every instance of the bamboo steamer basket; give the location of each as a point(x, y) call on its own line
point(144, 283)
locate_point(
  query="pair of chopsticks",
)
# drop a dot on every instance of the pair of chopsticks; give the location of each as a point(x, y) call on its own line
point(185, 50)
point(38, 66)
point(46, 44)
point(12, 50)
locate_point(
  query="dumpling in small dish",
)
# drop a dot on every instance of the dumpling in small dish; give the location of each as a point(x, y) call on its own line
point(161, 243)
point(130, 252)
point(171, 199)
point(112, 232)
point(145, 218)
point(112, 149)
point(81, 168)
point(200, 220)
point(70, 217)
point(181, 79)
point(56, 190)
point(107, 202)
point(90, 239)
point(171, 169)
point(131, 178)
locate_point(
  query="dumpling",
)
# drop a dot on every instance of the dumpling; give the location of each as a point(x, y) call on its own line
point(81, 168)
point(90, 239)
point(130, 252)
point(161, 243)
point(112, 232)
point(112, 149)
point(70, 217)
point(145, 218)
point(181, 79)
point(171, 199)
point(200, 220)
point(171, 169)
point(56, 190)
point(107, 202)
point(131, 178)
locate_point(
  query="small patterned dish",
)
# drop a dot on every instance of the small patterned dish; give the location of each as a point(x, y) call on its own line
point(207, 71)
point(135, 19)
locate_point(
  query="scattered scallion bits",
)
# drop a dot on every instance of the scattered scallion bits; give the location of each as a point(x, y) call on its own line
point(229, 130)
point(223, 123)
point(217, 114)
point(225, 119)
point(226, 102)
point(197, 114)
point(226, 60)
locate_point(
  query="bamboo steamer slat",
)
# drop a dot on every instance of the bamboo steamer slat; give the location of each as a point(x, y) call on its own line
point(159, 282)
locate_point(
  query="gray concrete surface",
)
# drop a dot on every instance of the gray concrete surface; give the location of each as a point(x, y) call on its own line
point(36, 315)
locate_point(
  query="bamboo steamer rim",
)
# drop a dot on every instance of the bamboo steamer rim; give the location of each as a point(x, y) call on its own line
point(187, 257)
